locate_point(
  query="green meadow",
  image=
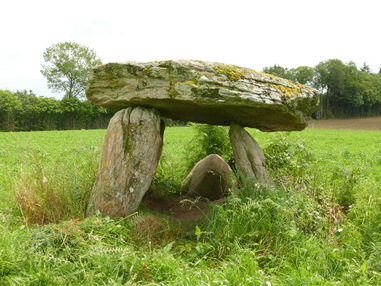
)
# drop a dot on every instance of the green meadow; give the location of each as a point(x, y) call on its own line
point(318, 222)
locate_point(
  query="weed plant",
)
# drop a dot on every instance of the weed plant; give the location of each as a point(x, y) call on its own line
point(208, 139)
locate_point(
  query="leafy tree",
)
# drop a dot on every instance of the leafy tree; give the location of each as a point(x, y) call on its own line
point(366, 68)
point(277, 70)
point(66, 67)
point(330, 80)
point(72, 110)
point(48, 113)
point(303, 75)
point(346, 90)
point(24, 111)
point(10, 106)
point(27, 116)
point(37, 112)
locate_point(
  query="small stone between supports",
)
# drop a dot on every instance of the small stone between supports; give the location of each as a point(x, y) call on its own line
point(209, 178)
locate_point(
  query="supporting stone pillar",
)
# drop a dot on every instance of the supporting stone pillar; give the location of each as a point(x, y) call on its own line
point(131, 151)
point(248, 155)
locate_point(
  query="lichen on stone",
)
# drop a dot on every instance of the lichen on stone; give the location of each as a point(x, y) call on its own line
point(191, 82)
point(289, 92)
point(147, 71)
point(232, 72)
point(205, 92)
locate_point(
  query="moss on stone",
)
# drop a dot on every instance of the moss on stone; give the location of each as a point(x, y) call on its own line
point(207, 92)
point(173, 93)
point(289, 92)
point(147, 71)
point(232, 72)
point(191, 82)
point(164, 64)
point(113, 71)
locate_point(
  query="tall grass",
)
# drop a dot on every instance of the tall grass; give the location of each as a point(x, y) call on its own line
point(316, 223)
point(49, 175)
point(58, 192)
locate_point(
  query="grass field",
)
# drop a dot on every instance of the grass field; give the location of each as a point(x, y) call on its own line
point(317, 223)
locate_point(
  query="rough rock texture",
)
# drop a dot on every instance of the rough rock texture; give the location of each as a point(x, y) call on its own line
point(130, 154)
point(209, 178)
point(248, 155)
point(204, 92)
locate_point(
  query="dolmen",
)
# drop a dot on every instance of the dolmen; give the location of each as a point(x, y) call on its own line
point(197, 91)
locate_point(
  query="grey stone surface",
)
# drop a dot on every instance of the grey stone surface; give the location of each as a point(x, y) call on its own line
point(130, 154)
point(204, 92)
point(248, 155)
point(209, 178)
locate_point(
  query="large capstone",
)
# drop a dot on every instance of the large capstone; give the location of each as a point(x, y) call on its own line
point(130, 154)
point(204, 92)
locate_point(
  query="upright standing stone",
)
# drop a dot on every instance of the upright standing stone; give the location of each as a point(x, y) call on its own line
point(248, 155)
point(130, 154)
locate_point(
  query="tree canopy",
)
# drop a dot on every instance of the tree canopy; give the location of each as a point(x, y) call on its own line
point(24, 111)
point(66, 68)
point(346, 91)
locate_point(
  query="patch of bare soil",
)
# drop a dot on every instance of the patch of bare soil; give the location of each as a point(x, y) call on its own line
point(368, 123)
point(181, 208)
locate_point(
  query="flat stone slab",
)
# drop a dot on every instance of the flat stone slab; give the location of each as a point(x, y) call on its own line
point(204, 92)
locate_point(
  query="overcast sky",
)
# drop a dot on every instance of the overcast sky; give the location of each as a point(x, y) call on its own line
point(248, 33)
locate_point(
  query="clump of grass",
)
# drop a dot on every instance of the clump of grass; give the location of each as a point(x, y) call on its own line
point(169, 174)
point(287, 156)
point(284, 228)
point(254, 216)
point(59, 192)
point(38, 203)
point(152, 229)
point(344, 182)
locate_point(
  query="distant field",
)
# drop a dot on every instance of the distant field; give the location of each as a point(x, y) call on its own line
point(370, 123)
